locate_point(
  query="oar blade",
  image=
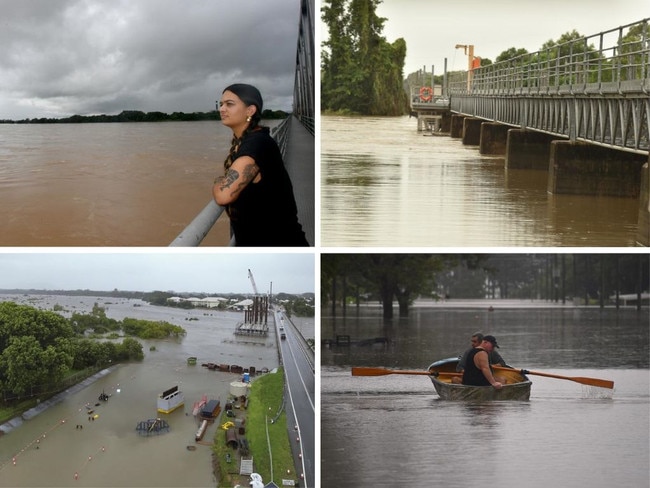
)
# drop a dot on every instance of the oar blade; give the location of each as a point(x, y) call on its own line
point(368, 371)
point(578, 379)
point(594, 382)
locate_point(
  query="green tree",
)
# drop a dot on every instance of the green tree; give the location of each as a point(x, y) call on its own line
point(22, 320)
point(389, 277)
point(510, 54)
point(130, 350)
point(26, 364)
point(360, 71)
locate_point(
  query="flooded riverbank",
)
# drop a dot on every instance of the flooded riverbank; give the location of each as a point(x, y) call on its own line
point(64, 446)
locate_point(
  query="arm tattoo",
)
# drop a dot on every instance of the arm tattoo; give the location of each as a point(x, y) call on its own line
point(227, 183)
point(227, 180)
point(249, 173)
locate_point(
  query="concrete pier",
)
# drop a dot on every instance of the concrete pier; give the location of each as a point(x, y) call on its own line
point(456, 127)
point(643, 232)
point(472, 131)
point(527, 149)
point(494, 137)
point(580, 168)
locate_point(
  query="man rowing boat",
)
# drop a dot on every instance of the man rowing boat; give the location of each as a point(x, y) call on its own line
point(477, 369)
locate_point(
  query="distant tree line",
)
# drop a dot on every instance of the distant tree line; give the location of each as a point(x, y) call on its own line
point(139, 116)
point(299, 306)
point(589, 279)
point(386, 277)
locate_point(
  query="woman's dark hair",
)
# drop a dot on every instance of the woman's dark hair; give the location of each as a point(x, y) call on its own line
point(250, 96)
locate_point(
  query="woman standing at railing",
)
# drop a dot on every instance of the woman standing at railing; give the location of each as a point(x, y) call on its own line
point(255, 189)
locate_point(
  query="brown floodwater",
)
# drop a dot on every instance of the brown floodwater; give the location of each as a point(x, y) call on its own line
point(383, 183)
point(118, 184)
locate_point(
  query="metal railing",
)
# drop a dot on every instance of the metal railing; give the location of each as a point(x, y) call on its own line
point(303, 91)
point(593, 89)
point(303, 110)
point(614, 61)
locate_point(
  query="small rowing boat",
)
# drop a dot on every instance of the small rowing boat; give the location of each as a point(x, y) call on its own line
point(516, 384)
point(516, 387)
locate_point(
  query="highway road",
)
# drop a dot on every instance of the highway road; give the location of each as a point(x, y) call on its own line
point(298, 362)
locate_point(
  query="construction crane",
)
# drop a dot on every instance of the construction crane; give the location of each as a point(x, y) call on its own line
point(472, 62)
point(250, 276)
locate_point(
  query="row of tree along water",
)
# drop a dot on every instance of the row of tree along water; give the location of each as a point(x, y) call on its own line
point(585, 279)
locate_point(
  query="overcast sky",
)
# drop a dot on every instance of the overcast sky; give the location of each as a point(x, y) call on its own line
point(66, 57)
point(208, 272)
point(433, 28)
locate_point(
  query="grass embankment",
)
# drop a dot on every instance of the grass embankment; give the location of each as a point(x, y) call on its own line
point(11, 409)
point(264, 401)
point(7, 412)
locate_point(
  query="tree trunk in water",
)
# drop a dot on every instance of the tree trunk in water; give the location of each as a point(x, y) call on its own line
point(403, 301)
point(387, 304)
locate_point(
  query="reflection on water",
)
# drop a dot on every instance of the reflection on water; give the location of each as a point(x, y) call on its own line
point(413, 439)
point(393, 430)
point(529, 337)
point(385, 184)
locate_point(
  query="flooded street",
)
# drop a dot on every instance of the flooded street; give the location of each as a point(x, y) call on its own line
point(385, 184)
point(50, 449)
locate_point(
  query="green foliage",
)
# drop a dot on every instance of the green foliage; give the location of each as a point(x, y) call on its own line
point(130, 350)
point(96, 322)
point(360, 71)
point(510, 54)
point(299, 307)
point(147, 329)
point(39, 348)
point(22, 320)
point(387, 277)
point(35, 346)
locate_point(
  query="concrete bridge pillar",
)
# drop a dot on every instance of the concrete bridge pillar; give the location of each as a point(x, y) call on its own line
point(580, 168)
point(643, 232)
point(494, 137)
point(527, 149)
point(456, 128)
point(472, 131)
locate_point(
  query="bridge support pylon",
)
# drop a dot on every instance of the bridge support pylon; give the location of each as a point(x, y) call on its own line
point(528, 149)
point(494, 137)
point(456, 129)
point(580, 168)
point(472, 131)
point(643, 231)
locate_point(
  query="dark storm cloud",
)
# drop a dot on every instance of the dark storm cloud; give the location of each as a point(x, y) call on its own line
point(63, 57)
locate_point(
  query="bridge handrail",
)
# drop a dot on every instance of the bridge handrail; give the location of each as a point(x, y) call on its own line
point(614, 65)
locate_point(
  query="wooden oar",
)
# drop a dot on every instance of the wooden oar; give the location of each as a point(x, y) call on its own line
point(578, 379)
point(370, 371)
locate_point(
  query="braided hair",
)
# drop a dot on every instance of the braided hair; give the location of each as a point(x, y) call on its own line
point(250, 96)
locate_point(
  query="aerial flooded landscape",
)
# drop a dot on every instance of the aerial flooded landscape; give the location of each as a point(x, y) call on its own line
point(90, 433)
